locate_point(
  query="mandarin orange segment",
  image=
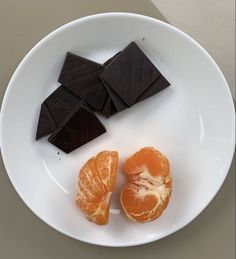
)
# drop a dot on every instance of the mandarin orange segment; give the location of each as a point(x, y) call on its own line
point(95, 184)
point(147, 193)
point(106, 162)
point(148, 159)
point(101, 213)
point(90, 186)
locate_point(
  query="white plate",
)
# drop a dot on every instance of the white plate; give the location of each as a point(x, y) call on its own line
point(192, 122)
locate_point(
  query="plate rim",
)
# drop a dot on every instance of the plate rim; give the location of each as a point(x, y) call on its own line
point(63, 27)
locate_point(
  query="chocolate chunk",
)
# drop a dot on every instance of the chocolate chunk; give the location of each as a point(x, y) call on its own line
point(81, 76)
point(80, 127)
point(110, 59)
point(113, 109)
point(54, 110)
point(130, 74)
point(60, 103)
point(95, 96)
point(118, 103)
point(109, 108)
point(46, 123)
point(160, 84)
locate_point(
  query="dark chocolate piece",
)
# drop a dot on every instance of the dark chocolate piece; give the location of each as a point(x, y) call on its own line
point(109, 108)
point(54, 110)
point(110, 59)
point(81, 76)
point(95, 95)
point(118, 103)
point(46, 123)
point(60, 103)
point(130, 74)
point(80, 127)
point(160, 84)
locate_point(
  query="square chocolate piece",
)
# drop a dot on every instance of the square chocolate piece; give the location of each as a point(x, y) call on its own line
point(79, 128)
point(81, 76)
point(130, 74)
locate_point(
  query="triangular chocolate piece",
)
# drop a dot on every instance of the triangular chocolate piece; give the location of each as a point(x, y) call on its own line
point(46, 123)
point(54, 110)
point(157, 86)
point(80, 127)
point(109, 108)
point(60, 103)
point(81, 76)
point(118, 103)
point(106, 63)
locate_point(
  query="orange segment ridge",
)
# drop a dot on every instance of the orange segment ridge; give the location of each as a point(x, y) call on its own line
point(148, 190)
point(95, 183)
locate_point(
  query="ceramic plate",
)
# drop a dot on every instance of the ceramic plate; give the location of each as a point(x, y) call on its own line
point(191, 122)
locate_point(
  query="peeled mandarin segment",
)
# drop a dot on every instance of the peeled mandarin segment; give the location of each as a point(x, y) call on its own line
point(90, 188)
point(147, 193)
point(95, 183)
point(96, 212)
point(106, 163)
point(90, 183)
point(100, 215)
point(137, 209)
point(149, 159)
point(141, 205)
